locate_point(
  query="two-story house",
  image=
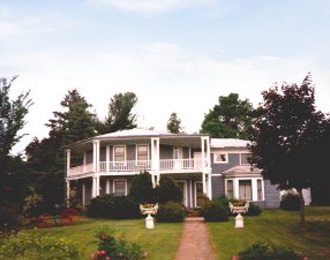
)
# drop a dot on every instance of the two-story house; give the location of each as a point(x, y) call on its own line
point(199, 164)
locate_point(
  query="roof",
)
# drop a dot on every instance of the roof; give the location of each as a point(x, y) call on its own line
point(242, 170)
point(229, 142)
point(135, 132)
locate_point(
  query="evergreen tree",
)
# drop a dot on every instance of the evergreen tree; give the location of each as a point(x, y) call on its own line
point(120, 115)
point(141, 190)
point(174, 124)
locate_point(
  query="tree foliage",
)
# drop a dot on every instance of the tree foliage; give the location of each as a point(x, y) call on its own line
point(231, 118)
point(168, 190)
point(285, 136)
point(174, 124)
point(120, 115)
point(141, 190)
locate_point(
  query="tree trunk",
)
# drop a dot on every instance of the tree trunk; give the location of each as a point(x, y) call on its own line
point(302, 210)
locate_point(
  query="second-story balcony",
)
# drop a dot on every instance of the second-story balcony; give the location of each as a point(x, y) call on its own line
point(165, 166)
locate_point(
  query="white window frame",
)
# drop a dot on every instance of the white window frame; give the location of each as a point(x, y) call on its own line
point(125, 154)
point(240, 158)
point(220, 162)
point(254, 186)
point(114, 185)
point(226, 187)
point(137, 154)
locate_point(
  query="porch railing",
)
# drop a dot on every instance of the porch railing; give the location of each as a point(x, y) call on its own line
point(136, 166)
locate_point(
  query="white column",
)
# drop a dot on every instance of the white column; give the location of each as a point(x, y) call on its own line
point(209, 188)
point(68, 159)
point(67, 190)
point(107, 186)
point(157, 179)
point(203, 152)
point(208, 152)
point(93, 187)
point(236, 188)
point(83, 194)
point(96, 156)
point(155, 154)
point(85, 158)
point(153, 180)
point(97, 185)
point(107, 158)
point(254, 189)
point(204, 182)
point(191, 193)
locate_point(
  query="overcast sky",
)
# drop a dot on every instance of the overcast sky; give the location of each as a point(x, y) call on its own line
point(176, 55)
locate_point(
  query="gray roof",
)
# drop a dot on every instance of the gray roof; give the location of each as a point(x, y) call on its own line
point(136, 132)
point(228, 143)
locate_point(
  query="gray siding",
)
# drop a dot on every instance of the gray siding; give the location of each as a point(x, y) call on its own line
point(218, 186)
point(233, 160)
point(166, 152)
point(272, 195)
point(89, 156)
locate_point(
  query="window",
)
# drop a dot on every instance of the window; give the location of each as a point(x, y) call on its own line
point(220, 158)
point(120, 187)
point(244, 158)
point(245, 190)
point(230, 189)
point(142, 153)
point(259, 190)
point(119, 153)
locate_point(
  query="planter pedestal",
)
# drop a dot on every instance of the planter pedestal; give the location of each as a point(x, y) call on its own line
point(149, 222)
point(239, 221)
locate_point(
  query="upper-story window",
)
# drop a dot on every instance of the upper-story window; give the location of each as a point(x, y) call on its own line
point(142, 152)
point(220, 157)
point(244, 158)
point(119, 153)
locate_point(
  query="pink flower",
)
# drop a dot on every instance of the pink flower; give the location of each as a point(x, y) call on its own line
point(102, 252)
point(93, 256)
point(234, 257)
point(107, 258)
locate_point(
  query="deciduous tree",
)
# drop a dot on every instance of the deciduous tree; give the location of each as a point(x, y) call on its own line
point(174, 124)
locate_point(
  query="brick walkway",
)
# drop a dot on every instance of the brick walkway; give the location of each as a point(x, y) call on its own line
point(195, 243)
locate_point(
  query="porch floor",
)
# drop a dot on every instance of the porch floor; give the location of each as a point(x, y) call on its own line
point(195, 243)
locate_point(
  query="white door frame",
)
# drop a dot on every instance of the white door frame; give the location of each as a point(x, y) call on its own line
point(195, 188)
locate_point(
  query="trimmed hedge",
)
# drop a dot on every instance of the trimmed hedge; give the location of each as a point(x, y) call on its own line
point(290, 201)
point(111, 206)
point(170, 212)
point(212, 211)
point(254, 210)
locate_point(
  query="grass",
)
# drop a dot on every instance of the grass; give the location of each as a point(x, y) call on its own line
point(278, 227)
point(160, 243)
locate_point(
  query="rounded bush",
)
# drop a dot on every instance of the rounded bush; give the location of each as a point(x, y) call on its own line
point(110, 206)
point(170, 212)
point(214, 212)
point(254, 210)
point(290, 201)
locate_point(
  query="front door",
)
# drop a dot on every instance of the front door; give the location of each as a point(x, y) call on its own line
point(199, 195)
point(183, 187)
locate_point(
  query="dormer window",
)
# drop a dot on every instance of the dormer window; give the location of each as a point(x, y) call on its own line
point(220, 157)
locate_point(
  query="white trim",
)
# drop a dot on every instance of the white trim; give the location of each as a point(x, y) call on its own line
point(220, 162)
point(114, 185)
point(180, 152)
point(137, 154)
point(185, 191)
point(107, 186)
point(83, 191)
point(216, 174)
point(125, 153)
point(230, 151)
point(240, 158)
point(195, 187)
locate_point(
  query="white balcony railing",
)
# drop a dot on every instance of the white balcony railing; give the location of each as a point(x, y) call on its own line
point(136, 166)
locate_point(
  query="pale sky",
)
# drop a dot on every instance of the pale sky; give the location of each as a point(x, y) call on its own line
point(176, 55)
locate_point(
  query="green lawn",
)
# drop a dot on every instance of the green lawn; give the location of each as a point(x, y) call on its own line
point(279, 227)
point(160, 243)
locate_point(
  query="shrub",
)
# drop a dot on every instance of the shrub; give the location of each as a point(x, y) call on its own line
point(8, 214)
point(254, 210)
point(168, 190)
point(223, 201)
point(212, 212)
point(290, 201)
point(112, 248)
point(141, 190)
point(170, 212)
point(39, 247)
point(110, 206)
point(262, 251)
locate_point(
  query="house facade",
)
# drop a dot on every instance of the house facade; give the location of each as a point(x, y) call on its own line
point(106, 164)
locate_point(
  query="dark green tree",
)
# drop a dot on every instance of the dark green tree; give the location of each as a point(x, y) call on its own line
point(12, 114)
point(168, 190)
point(286, 136)
point(174, 124)
point(120, 115)
point(141, 190)
point(46, 158)
point(231, 118)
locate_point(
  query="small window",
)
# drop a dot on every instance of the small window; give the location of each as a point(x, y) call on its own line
point(244, 158)
point(119, 153)
point(220, 158)
point(230, 189)
point(120, 187)
point(259, 189)
point(142, 152)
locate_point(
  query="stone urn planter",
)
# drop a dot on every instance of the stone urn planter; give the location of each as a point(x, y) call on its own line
point(239, 208)
point(149, 209)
